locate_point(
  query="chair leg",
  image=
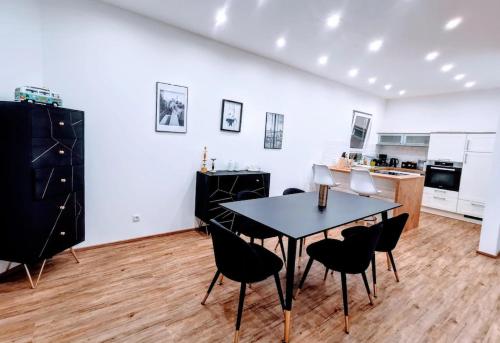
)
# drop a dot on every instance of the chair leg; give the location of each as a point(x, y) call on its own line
point(365, 281)
point(393, 265)
point(214, 280)
point(261, 242)
point(280, 291)
point(277, 245)
point(308, 267)
point(344, 298)
point(374, 276)
point(326, 274)
point(252, 240)
point(240, 311)
point(388, 261)
point(282, 248)
point(326, 234)
point(301, 245)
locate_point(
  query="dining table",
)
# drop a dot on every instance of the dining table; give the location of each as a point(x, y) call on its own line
point(297, 216)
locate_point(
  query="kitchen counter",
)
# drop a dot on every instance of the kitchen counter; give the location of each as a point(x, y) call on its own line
point(406, 190)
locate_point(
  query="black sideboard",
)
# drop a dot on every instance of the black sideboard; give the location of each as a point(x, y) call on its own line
point(41, 181)
point(213, 188)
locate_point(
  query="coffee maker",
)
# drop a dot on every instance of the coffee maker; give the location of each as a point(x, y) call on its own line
point(382, 160)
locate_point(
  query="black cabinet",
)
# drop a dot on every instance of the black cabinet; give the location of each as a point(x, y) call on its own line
point(222, 186)
point(42, 182)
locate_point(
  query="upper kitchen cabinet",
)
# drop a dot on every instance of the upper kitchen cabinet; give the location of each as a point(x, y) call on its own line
point(417, 139)
point(406, 139)
point(447, 147)
point(390, 139)
point(480, 142)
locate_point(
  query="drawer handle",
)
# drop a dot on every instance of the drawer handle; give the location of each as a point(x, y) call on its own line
point(62, 233)
point(439, 191)
point(62, 207)
point(476, 204)
point(61, 123)
point(61, 152)
point(440, 198)
point(63, 180)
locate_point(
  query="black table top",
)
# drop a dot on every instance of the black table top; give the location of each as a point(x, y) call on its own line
point(298, 216)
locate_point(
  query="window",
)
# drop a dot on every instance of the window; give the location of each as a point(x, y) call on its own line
point(360, 129)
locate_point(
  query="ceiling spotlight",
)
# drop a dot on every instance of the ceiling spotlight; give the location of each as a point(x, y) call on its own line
point(431, 56)
point(447, 67)
point(220, 17)
point(375, 45)
point(402, 92)
point(323, 60)
point(470, 84)
point(372, 80)
point(459, 77)
point(333, 21)
point(452, 24)
point(281, 42)
point(353, 72)
point(388, 87)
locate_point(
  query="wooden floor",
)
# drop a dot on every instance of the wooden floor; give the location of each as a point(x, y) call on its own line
point(150, 291)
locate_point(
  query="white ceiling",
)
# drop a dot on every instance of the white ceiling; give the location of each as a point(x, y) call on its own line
point(410, 29)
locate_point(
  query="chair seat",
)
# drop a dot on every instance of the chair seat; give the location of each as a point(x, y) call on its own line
point(270, 265)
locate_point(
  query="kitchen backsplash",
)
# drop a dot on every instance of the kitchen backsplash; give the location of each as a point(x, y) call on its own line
point(403, 153)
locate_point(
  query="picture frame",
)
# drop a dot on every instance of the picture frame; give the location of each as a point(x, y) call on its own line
point(231, 116)
point(273, 136)
point(171, 108)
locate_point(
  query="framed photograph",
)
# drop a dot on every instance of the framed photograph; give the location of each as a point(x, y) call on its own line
point(273, 138)
point(231, 114)
point(171, 108)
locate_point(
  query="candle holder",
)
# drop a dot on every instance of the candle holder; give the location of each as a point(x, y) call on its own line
point(323, 197)
point(323, 177)
point(204, 164)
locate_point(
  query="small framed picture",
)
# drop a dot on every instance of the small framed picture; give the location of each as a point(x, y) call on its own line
point(231, 114)
point(273, 137)
point(171, 108)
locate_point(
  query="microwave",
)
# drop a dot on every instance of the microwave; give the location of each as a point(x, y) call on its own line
point(443, 175)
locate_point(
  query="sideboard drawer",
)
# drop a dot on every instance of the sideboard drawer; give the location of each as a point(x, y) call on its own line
point(51, 153)
point(50, 182)
point(49, 122)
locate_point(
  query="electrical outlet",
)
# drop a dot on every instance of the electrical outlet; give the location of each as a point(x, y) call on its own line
point(136, 218)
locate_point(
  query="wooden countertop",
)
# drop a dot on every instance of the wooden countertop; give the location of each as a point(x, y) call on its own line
point(383, 176)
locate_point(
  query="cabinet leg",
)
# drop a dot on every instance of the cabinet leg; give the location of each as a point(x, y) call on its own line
point(8, 266)
point(29, 276)
point(33, 285)
point(74, 255)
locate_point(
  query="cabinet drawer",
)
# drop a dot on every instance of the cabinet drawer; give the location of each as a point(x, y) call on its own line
point(440, 202)
point(471, 208)
point(51, 153)
point(49, 122)
point(52, 182)
point(441, 193)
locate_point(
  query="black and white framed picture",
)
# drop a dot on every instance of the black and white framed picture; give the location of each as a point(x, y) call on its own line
point(273, 138)
point(171, 108)
point(231, 114)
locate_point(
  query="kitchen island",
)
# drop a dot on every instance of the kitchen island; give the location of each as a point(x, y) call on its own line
point(403, 188)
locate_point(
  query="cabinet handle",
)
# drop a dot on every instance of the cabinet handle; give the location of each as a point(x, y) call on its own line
point(63, 180)
point(465, 159)
point(467, 146)
point(439, 191)
point(476, 204)
point(61, 123)
point(62, 207)
point(61, 152)
point(440, 198)
point(62, 233)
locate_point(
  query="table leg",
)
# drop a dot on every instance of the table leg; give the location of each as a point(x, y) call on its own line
point(290, 274)
point(384, 216)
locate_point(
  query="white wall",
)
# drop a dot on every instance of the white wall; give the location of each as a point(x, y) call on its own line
point(106, 62)
point(467, 111)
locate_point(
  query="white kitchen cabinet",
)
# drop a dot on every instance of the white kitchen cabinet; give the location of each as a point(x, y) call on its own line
point(440, 199)
point(480, 142)
point(471, 208)
point(447, 147)
point(476, 176)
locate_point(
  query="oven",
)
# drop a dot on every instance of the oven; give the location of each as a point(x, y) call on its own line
point(443, 175)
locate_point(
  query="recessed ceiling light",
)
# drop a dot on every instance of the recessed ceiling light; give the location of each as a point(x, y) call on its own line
point(372, 80)
point(322, 60)
point(447, 67)
point(281, 42)
point(470, 84)
point(459, 77)
point(353, 72)
point(453, 23)
point(333, 21)
point(388, 87)
point(220, 17)
point(402, 92)
point(375, 45)
point(431, 56)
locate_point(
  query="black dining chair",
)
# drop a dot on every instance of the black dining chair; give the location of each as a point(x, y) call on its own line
point(252, 229)
point(242, 262)
point(391, 232)
point(350, 256)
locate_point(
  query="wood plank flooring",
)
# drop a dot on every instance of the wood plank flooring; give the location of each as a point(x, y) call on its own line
point(150, 291)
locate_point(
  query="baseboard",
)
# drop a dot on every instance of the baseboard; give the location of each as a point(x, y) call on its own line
point(132, 240)
point(486, 254)
point(452, 215)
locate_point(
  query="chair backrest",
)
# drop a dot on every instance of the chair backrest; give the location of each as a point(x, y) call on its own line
point(391, 231)
point(322, 175)
point(292, 191)
point(234, 257)
point(247, 195)
point(362, 182)
point(243, 224)
point(358, 249)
